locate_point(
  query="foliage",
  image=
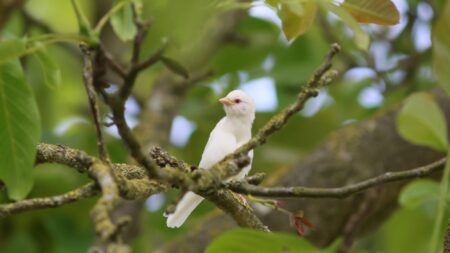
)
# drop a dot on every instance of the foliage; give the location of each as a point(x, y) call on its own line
point(422, 122)
point(19, 131)
point(243, 241)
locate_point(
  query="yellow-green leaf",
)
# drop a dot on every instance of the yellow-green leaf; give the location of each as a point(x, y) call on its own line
point(422, 122)
point(297, 17)
point(359, 36)
point(19, 130)
point(441, 49)
point(381, 12)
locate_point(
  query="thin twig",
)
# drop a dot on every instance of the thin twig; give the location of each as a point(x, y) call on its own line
point(338, 192)
point(129, 139)
point(139, 38)
point(152, 59)
point(86, 191)
point(115, 66)
point(88, 84)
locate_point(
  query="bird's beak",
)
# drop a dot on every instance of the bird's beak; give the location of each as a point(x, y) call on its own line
point(226, 101)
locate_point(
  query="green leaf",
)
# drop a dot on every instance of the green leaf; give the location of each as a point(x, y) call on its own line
point(297, 17)
point(441, 49)
point(12, 48)
point(381, 12)
point(421, 122)
point(419, 192)
point(246, 241)
point(50, 70)
point(272, 3)
point(175, 67)
point(19, 130)
point(359, 36)
point(123, 24)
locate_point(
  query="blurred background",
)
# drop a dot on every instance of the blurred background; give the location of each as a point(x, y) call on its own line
point(255, 57)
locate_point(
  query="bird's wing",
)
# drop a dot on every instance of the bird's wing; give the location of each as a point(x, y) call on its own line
point(184, 208)
point(220, 143)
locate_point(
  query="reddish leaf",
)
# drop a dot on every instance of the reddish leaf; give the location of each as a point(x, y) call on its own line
point(298, 224)
point(307, 223)
point(381, 12)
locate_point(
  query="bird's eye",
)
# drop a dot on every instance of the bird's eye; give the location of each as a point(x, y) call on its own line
point(237, 100)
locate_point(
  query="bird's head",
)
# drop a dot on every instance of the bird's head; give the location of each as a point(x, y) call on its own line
point(238, 104)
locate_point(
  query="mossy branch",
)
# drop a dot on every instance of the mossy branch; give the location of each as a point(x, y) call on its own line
point(338, 192)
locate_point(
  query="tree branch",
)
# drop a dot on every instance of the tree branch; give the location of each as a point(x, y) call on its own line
point(152, 59)
point(92, 97)
point(132, 180)
point(115, 66)
point(339, 192)
point(86, 191)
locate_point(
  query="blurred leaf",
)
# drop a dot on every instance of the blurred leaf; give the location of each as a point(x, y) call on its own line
point(20, 242)
point(419, 192)
point(272, 3)
point(19, 130)
point(441, 49)
point(396, 233)
point(123, 24)
point(248, 241)
point(421, 122)
point(360, 37)
point(381, 12)
point(12, 48)
point(175, 67)
point(297, 17)
point(50, 70)
point(61, 227)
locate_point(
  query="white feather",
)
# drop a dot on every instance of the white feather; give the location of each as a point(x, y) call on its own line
point(231, 132)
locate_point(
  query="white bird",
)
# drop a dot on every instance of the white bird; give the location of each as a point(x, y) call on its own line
point(230, 133)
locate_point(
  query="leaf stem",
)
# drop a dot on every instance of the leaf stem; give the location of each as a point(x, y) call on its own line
point(441, 209)
point(108, 15)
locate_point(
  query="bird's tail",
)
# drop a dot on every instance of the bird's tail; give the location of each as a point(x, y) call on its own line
point(184, 208)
